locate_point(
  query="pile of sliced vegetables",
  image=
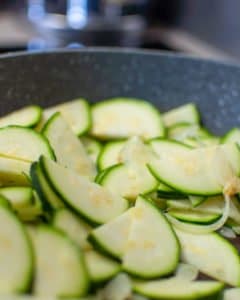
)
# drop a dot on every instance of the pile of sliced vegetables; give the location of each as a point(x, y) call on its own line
point(116, 201)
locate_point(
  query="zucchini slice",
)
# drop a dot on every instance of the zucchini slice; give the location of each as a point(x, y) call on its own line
point(233, 136)
point(60, 266)
point(197, 200)
point(76, 113)
point(152, 248)
point(14, 172)
point(232, 294)
point(212, 255)
point(179, 289)
point(129, 181)
point(202, 171)
point(68, 149)
point(100, 268)
point(92, 147)
point(23, 144)
point(197, 217)
point(111, 238)
point(124, 117)
point(166, 192)
point(132, 177)
point(28, 116)
point(109, 155)
point(16, 264)
point(187, 113)
point(183, 131)
point(33, 212)
point(50, 199)
point(72, 226)
point(19, 196)
point(24, 201)
point(90, 200)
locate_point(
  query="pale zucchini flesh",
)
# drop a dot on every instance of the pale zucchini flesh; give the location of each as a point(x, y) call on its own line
point(68, 148)
point(132, 177)
point(196, 217)
point(178, 289)
point(28, 116)
point(60, 266)
point(185, 113)
point(197, 171)
point(16, 254)
point(23, 144)
point(100, 267)
point(83, 196)
point(18, 196)
point(76, 113)
point(129, 181)
point(51, 201)
point(212, 255)
point(233, 136)
point(152, 248)
point(123, 117)
point(111, 238)
point(109, 155)
point(73, 226)
point(14, 172)
point(92, 146)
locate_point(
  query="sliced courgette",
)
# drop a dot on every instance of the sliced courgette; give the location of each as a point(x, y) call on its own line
point(19, 196)
point(28, 116)
point(90, 200)
point(49, 197)
point(76, 113)
point(178, 289)
point(182, 131)
point(132, 177)
point(16, 263)
point(68, 149)
point(191, 216)
point(109, 155)
point(187, 113)
point(152, 248)
point(166, 192)
point(60, 266)
point(92, 146)
point(73, 226)
point(232, 294)
point(129, 181)
point(14, 172)
point(233, 136)
point(196, 200)
point(100, 268)
point(32, 212)
point(124, 117)
point(23, 144)
point(212, 255)
point(212, 205)
point(203, 171)
point(111, 238)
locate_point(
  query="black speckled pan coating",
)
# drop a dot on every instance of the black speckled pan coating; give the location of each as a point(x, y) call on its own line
point(164, 79)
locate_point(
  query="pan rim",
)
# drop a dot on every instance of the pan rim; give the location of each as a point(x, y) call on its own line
point(125, 51)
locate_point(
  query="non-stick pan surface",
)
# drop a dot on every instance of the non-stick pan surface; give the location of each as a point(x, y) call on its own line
point(167, 80)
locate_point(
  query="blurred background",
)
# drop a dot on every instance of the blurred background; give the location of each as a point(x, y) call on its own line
point(199, 27)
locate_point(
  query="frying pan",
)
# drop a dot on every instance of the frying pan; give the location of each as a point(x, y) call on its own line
point(167, 80)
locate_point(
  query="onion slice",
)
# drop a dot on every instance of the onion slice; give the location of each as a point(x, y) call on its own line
point(227, 232)
point(187, 272)
point(202, 229)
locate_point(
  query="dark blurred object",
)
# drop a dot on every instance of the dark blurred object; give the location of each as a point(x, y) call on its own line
point(87, 22)
point(165, 12)
point(200, 27)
